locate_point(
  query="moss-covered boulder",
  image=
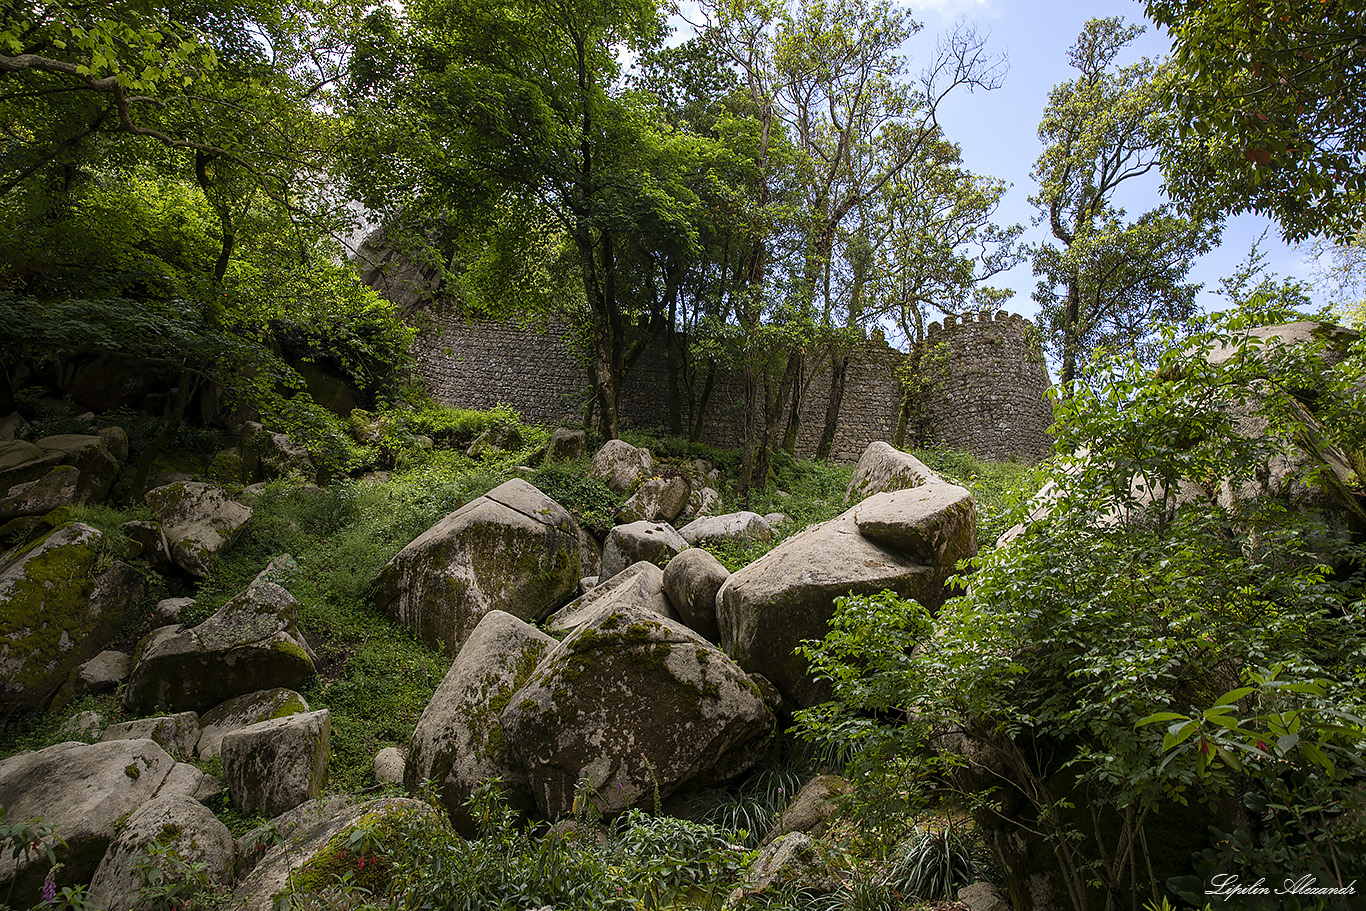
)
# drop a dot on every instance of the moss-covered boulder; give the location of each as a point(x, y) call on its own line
point(566, 445)
point(252, 643)
point(200, 522)
point(620, 465)
point(61, 601)
point(85, 791)
point(459, 741)
point(36, 498)
point(175, 822)
point(241, 711)
point(273, 766)
point(766, 609)
point(629, 703)
point(176, 734)
point(656, 500)
point(650, 542)
point(639, 585)
point(883, 467)
point(311, 847)
point(513, 549)
point(267, 455)
point(22, 462)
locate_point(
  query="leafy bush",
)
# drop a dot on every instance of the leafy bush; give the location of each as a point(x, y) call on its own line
point(932, 863)
point(1148, 594)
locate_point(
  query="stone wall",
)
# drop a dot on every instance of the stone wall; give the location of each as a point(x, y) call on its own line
point(984, 388)
point(986, 399)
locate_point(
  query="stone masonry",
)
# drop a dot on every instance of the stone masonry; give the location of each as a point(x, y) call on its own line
point(984, 391)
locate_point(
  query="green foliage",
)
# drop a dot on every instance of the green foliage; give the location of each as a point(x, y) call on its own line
point(171, 883)
point(999, 489)
point(748, 812)
point(589, 500)
point(932, 863)
point(1266, 98)
point(1145, 592)
point(670, 856)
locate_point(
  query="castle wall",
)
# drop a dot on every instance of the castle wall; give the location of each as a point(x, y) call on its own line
point(987, 398)
point(985, 388)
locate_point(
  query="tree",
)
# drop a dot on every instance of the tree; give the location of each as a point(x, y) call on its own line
point(1110, 277)
point(536, 117)
point(1270, 101)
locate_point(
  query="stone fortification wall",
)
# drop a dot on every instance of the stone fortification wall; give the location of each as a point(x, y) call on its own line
point(984, 387)
point(986, 399)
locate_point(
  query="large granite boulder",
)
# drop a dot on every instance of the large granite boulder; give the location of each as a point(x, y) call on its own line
point(36, 498)
point(740, 528)
point(22, 462)
point(57, 611)
point(252, 643)
point(267, 455)
point(656, 500)
point(175, 822)
point(458, 742)
point(766, 609)
point(513, 549)
point(176, 734)
point(242, 711)
point(85, 791)
point(691, 581)
point(883, 467)
point(639, 585)
point(620, 465)
point(312, 843)
point(199, 521)
point(566, 445)
point(273, 766)
point(651, 542)
point(935, 523)
point(630, 702)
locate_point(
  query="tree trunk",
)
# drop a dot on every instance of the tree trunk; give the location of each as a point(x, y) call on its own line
point(1071, 335)
point(794, 416)
point(839, 369)
point(699, 415)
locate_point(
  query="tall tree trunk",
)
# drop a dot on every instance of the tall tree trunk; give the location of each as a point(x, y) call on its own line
point(1071, 332)
point(700, 412)
point(605, 353)
point(839, 369)
point(776, 403)
point(794, 416)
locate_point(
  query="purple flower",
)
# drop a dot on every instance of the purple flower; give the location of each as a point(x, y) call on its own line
point(49, 889)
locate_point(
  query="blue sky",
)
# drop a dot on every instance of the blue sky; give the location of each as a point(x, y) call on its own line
point(998, 130)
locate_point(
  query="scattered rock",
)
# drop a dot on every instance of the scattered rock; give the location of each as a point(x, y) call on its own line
point(811, 811)
point(630, 702)
point(176, 734)
point(199, 520)
point(179, 823)
point(104, 672)
point(883, 467)
point(36, 498)
point(83, 726)
point(242, 711)
point(311, 836)
point(388, 766)
point(85, 791)
point(639, 585)
point(152, 544)
point(656, 500)
point(459, 742)
point(767, 608)
point(513, 549)
point(566, 445)
point(267, 455)
point(650, 542)
point(57, 612)
point(935, 522)
point(732, 528)
point(273, 766)
point(691, 580)
point(168, 610)
point(620, 465)
point(253, 642)
point(983, 896)
point(794, 860)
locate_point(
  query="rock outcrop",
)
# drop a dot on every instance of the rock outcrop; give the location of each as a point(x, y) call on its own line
point(273, 766)
point(58, 609)
point(199, 521)
point(253, 642)
point(629, 702)
point(242, 711)
point(620, 465)
point(651, 542)
point(459, 742)
point(513, 549)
